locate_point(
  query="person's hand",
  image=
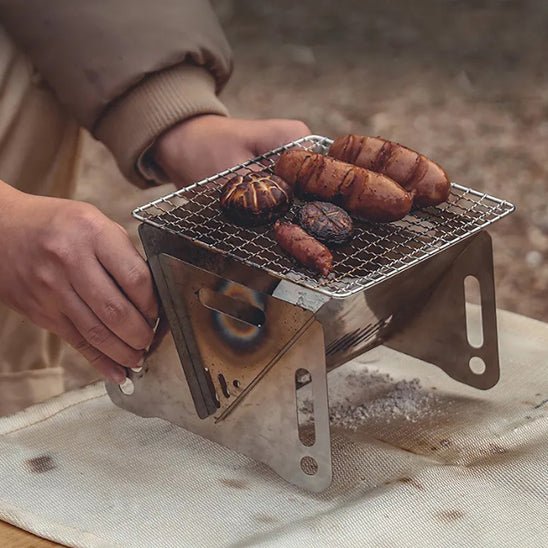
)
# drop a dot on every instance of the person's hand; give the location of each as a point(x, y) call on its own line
point(71, 270)
point(202, 146)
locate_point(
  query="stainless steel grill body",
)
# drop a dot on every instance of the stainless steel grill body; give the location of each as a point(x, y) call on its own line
point(250, 327)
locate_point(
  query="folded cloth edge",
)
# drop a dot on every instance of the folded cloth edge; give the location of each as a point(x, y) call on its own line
point(45, 410)
point(51, 530)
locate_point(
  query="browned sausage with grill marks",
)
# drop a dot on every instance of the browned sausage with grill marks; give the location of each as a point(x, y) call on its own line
point(362, 193)
point(423, 178)
point(303, 247)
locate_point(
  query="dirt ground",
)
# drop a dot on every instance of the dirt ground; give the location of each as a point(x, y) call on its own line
point(465, 82)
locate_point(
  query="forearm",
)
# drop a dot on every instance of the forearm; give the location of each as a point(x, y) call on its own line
point(127, 70)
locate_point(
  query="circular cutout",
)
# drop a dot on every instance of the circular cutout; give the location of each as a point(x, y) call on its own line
point(477, 366)
point(236, 383)
point(127, 387)
point(309, 466)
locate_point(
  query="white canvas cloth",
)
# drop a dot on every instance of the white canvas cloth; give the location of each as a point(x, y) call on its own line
point(437, 465)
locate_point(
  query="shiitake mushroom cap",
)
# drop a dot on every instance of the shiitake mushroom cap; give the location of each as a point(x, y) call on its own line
point(326, 222)
point(256, 199)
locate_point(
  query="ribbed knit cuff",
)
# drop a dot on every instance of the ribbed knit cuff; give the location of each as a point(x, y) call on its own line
point(130, 126)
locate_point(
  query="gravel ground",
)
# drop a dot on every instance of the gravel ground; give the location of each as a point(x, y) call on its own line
point(463, 82)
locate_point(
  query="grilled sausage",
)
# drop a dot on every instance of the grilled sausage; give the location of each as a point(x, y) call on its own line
point(303, 247)
point(423, 178)
point(362, 193)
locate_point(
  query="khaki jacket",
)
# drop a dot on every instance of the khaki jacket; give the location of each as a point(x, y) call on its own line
point(127, 70)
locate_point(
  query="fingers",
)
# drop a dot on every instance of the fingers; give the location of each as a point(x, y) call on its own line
point(103, 364)
point(97, 289)
point(97, 334)
point(129, 270)
point(207, 144)
point(269, 134)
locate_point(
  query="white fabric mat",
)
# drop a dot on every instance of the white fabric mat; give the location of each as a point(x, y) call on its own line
point(438, 464)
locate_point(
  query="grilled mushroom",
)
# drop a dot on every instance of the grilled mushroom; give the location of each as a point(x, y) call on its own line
point(256, 198)
point(326, 222)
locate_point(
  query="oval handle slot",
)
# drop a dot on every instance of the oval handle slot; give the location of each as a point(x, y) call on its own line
point(474, 320)
point(239, 310)
point(306, 426)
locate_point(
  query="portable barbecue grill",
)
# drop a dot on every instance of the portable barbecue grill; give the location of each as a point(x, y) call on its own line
point(251, 327)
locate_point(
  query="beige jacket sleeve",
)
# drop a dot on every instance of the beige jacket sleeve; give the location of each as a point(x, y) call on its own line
point(126, 69)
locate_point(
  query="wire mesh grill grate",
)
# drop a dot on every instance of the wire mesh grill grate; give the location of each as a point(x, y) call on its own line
point(376, 252)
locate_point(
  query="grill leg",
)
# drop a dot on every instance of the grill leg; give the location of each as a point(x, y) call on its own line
point(438, 333)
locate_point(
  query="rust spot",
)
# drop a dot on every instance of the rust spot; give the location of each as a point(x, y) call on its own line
point(449, 516)
point(235, 483)
point(41, 464)
point(264, 518)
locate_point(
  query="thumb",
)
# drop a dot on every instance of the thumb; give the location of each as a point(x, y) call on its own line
point(266, 135)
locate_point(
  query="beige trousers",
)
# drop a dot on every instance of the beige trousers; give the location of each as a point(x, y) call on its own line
point(39, 152)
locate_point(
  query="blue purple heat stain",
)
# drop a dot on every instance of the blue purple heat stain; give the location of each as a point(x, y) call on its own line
point(238, 334)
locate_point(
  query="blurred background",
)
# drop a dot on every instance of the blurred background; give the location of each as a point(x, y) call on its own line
point(462, 81)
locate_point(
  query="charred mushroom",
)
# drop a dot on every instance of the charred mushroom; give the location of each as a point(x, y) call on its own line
point(256, 198)
point(326, 222)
